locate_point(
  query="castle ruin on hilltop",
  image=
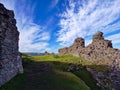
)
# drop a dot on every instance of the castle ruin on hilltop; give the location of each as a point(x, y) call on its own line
point(99, 50)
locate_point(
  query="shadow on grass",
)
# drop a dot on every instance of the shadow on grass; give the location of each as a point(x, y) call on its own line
point(42, 75)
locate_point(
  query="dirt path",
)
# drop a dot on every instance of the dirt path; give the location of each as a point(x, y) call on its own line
point(34, 73)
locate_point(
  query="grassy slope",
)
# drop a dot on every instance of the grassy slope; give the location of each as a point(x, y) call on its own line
point(62, 63)
point(57, 79)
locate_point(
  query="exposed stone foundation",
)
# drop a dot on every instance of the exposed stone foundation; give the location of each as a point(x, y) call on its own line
point(10, 60)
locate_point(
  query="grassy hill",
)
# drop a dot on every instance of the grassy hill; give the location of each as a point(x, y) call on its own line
point(52, 72)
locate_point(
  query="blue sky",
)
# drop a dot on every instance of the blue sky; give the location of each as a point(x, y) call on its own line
point(47, 25)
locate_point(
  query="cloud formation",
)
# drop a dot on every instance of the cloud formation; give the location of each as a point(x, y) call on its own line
point(33, 37)
point(8, 4)
point(84, 18)
point(115, 38)
point(53, 4)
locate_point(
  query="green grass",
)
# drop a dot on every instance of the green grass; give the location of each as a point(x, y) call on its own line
point(15, 83)
point(87, 78)
point(100, 68)
point(58, 79)
point(64, 59)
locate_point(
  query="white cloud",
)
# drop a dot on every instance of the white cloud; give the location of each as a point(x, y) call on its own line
point(89, 17)
point(53, 4)
point(33, 37)
point(115, 38)
point(8, 4)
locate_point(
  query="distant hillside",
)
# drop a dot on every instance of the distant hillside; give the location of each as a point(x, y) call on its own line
point(34, 54)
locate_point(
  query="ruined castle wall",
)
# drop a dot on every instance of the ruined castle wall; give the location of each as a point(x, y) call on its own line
point(78, 45)
point(99, 50)
point(10, 60)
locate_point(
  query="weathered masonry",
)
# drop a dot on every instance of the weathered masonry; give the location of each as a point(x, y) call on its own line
point(10, 60)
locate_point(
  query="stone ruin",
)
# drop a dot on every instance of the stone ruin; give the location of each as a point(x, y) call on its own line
point(79, 43)
point(98, 36)
point(100, 51)
point(10, 59)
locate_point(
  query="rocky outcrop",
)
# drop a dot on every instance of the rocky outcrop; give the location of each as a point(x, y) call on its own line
point(10, 60)
point(100, 51)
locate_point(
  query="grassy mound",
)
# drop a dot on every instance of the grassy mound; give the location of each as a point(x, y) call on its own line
point(51, 73)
